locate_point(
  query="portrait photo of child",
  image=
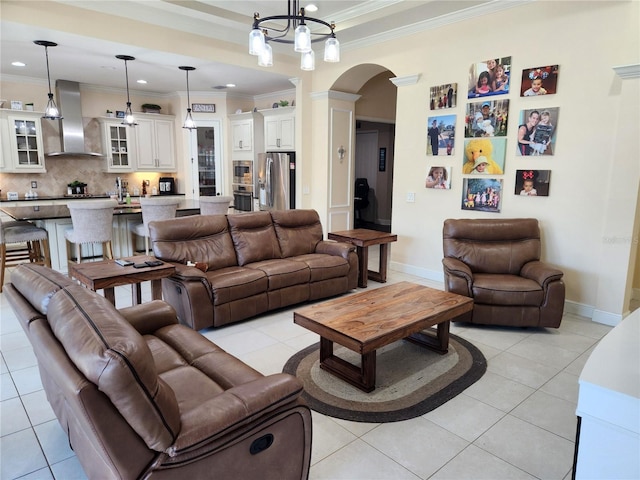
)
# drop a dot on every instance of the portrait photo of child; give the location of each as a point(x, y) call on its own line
point(443, 96)
point(488, 118)
point(489, 77)
point(438, 176)
point(539, 81)
point(532, 183)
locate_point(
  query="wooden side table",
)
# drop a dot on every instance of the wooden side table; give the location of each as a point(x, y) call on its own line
point(363, 238)
point(107, 275)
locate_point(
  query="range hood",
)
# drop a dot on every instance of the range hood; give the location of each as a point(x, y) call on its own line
point(71, 126)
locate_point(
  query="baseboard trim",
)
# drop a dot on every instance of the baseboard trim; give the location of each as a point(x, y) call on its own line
point(607, 318)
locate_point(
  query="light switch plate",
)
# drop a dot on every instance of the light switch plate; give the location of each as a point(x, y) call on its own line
point(411, 197)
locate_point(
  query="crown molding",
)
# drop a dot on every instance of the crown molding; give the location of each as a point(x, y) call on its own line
point(627, 71)
point(335, 95)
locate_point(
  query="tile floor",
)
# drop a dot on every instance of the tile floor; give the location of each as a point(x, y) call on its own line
point(517, 422)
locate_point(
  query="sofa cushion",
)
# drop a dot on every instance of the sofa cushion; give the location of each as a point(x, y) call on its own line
point(235, 283)
point(253, 237)
point(116, 358)
point(502, 289)
point(283, 273)
point(38, 284)
point(324, 267)
point(196, 238)
point(298, 231)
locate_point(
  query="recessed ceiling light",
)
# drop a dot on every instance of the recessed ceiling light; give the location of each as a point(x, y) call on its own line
point(230, 85)
point(18, 64)
point(142, 81)
point(311, 8)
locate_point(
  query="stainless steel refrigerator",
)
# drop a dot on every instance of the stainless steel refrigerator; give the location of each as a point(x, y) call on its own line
point(276, 180)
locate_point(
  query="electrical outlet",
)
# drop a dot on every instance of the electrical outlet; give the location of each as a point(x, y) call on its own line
point(411, 197)
point(34, 184)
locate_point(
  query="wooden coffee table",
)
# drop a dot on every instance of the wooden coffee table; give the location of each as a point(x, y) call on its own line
point(363, 238)
point(367, 321)
point(107, 275)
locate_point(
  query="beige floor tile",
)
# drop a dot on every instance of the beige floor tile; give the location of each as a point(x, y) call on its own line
point(3, 366)
point(21, 454)
point(27, 380)
point(584, 326)
point(357, 428)
point(13, 418)
point(465, 416)
point(407, 442)
point(68, 469)
point(359, 461)
point(328, 437)
point(522, 370)
point(474, 463)
point(530, 448)
point(7, 387)
point(499, 392)
point(54, 441)
point(13, 340)
point(551, 413)
point(241, 343)
point(270, 359)
point(564, 385)
point(42, 474)
point(20, 358)
point(535, 349)
point(37, 407)
point(500, 338)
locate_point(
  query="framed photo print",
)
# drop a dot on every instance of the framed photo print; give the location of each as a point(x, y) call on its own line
point(489, 77)
point(488, 118)
point(438, 176)
point(532, 183)
point(484, 156)
point(537, 131)
point(539, 81)
point(441, 135)
point(443, 96)
point(482, 194)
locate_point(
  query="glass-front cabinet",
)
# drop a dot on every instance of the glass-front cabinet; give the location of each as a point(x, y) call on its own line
point(207, 147)
point(117, 145)
point(23, 151)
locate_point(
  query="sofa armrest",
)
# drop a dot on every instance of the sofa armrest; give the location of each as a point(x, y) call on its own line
point(340, 249)
point(184, 272)
point(540, 272)
point(233, 408)
point(150, 316)
point(458, 277)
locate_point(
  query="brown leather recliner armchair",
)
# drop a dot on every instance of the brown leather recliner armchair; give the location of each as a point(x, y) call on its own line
point(497, 263)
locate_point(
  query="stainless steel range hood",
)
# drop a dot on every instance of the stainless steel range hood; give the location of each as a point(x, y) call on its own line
point(71, 126)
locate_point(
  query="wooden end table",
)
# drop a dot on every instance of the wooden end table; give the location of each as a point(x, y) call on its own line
point(363, 238)
point(107, 275)
point(367, 321)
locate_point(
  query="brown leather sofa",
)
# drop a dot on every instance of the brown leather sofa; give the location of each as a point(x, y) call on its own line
point(141, 396)
point(497, 263)
point(254, 262)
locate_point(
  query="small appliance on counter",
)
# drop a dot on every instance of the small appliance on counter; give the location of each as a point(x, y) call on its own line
point(167, 186)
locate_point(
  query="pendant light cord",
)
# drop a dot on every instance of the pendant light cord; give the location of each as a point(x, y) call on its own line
point(46, 54)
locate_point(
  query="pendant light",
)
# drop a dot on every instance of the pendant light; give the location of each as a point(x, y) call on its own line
point(308, 61)
point(188, 121)
point(128, 114)
point(51, 111)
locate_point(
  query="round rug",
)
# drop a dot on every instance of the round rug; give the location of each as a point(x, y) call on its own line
point(410, 380)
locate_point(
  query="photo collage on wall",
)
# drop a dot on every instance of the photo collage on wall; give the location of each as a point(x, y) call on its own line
point(486, 125)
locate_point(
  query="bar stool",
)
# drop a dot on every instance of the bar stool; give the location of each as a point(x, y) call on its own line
point(92, 223)
point(35, 249)
point(152, 209)
point(214, 205)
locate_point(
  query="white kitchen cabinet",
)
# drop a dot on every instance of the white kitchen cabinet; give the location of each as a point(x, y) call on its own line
point(242, 132)
point(118, 145)
point(246, 135)
point(279, 129)
point(22, 151)
point(155, 140)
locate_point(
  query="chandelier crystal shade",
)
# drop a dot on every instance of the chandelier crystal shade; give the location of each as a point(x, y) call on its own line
point(279, 29)
point(128, 120)
point(188, 121)
point(51, 110)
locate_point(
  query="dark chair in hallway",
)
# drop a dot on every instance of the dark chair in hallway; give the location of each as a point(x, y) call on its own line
point(361, 199)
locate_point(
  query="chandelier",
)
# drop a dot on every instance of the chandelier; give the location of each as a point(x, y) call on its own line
point(268, 29)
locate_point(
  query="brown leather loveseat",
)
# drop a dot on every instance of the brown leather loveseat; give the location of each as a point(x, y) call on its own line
point(141, 396)
point(497, 263)
point(255, 262)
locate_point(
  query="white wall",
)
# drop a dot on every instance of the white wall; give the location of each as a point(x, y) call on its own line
point(586, 39)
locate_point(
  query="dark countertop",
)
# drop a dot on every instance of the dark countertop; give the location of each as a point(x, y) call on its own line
point(66, 197)
point(52, 212)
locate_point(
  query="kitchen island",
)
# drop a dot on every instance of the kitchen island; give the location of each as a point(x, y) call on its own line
point(56, 219)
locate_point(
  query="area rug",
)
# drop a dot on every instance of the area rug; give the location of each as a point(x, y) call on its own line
point(410, 380)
